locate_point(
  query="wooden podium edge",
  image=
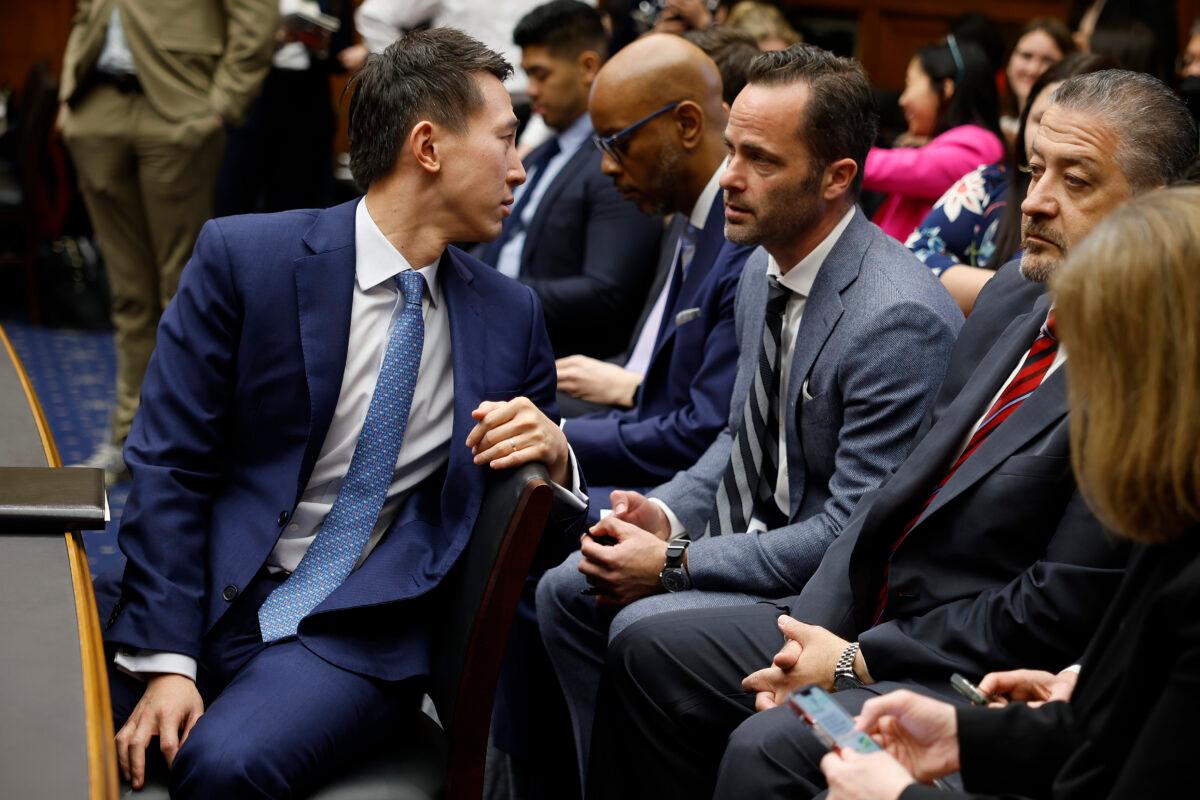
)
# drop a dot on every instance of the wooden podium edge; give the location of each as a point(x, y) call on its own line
point(102, 763)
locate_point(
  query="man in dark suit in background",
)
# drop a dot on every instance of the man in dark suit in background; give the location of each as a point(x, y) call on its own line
point(588, 255)
point(147, 87)
point(351, 368)
point(977, 554)
point(842, 338)
point(686, 349)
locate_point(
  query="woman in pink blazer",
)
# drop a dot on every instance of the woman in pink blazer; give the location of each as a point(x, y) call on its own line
point(950, 104)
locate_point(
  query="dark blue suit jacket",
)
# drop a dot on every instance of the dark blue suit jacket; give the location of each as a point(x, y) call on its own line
point(590, 256)
point(235, 407)
point(683, 402)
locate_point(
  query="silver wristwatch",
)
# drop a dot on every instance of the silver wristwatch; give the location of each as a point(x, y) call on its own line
point(844, 676)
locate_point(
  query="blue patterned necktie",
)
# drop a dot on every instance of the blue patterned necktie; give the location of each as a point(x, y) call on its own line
point(339, 542)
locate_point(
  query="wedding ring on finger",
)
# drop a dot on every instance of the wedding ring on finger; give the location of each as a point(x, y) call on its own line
point(512, 446)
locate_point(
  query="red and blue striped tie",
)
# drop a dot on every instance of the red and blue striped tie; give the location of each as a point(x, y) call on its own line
point(1028, 378)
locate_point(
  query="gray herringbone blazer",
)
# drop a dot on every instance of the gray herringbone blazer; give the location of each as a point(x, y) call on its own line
point(873, 347)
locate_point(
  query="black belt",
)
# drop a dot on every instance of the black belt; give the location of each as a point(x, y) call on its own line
point(125, 83)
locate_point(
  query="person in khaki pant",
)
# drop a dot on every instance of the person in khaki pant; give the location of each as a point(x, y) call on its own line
point(147, 87)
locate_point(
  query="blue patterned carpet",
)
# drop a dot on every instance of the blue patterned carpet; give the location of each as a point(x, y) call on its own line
point(74, 375)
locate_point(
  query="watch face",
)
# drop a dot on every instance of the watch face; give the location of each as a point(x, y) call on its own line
point(673, 580)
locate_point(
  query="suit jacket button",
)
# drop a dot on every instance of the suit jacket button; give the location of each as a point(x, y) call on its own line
point(230, 592)
point(283, 518)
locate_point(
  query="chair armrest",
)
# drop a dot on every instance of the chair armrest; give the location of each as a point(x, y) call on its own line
point(51, 500)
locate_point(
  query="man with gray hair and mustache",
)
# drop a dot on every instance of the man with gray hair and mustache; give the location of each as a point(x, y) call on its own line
point(978, 554)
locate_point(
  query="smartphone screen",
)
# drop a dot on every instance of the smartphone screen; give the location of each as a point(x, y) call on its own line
point(968, 690)
point(829, 721)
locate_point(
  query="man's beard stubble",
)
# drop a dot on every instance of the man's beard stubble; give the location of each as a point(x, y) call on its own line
point(780, 218)
point(1039, 268)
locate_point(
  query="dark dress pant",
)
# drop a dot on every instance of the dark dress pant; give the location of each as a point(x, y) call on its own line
point(673, 721)
point(278, 720)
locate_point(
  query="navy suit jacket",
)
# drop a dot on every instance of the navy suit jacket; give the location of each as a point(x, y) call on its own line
point(235, 407)
point(590, 256)
point(683, 401)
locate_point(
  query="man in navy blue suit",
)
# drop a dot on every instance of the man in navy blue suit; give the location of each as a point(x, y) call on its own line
point(329, 393)
point(588, 255)
point(683, 362)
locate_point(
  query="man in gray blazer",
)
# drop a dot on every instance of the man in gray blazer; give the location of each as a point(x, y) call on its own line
point(843, 337)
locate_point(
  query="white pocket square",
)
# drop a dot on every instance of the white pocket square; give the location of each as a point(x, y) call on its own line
point(685, 316)
point(804, 395)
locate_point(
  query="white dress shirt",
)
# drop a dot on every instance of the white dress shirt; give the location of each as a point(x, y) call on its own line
point(569, 141)
point(115, 57)
point(643, 349)
point(799, 279)
point(380, 22)
point(376, 304)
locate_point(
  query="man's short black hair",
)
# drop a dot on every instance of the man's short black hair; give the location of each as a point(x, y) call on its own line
point(564, 27)
point(840, 119)
point(427, 74)
point(732, 50)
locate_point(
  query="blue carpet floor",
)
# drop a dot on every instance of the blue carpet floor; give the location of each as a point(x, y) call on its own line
point(74, 375)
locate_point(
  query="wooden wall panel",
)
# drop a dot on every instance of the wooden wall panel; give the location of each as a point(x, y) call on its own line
point(32, 31)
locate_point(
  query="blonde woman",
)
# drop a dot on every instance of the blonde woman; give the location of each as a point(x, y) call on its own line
point(1127, 310)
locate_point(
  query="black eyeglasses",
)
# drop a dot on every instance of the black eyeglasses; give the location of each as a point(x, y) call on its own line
point(608, 144)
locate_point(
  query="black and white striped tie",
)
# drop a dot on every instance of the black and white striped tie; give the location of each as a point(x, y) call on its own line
point(747, 489)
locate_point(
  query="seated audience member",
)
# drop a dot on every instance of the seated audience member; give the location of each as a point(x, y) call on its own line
point(351, 368)
point(1041, 44)
point(1137, 35)
point(949, 102)
point(976, 225)
point(1129, 728)
point(843, 337)
point(978, 553)
point(589, 255)
point(765, 23)
point(732, 50)
point(686, 349)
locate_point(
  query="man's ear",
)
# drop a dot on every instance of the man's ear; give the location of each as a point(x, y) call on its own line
point(589, 64)
point(422, 145)
point(689, 120)
point(839, 178)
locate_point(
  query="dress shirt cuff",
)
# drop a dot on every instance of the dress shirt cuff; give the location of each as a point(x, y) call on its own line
point(677, 529)
point(576, 483)
point(139, 663)
point(1074, 668)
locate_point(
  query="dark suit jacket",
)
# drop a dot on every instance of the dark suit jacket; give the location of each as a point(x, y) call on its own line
point(1130, 728)
point(590, 256)
point(1007, 567)
point(196, 58)
point(683, 401)
point(235, 407)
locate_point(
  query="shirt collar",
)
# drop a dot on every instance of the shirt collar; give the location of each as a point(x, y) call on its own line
point(377, 260)
point(704, 202)
point(799, 279)
point(575, 135)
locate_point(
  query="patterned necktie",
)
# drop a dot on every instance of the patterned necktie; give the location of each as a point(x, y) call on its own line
point(1028, 378)
point(514, 224)
point(339, 542)
point(747, 489)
